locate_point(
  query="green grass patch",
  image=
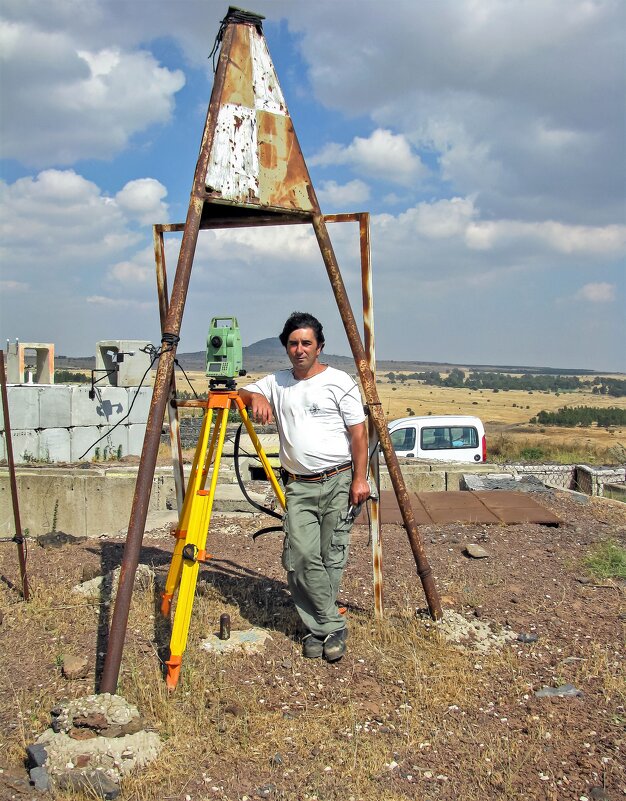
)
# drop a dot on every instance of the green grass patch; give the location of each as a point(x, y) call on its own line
point(607, 560)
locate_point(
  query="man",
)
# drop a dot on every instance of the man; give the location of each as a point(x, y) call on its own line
point(324, 456)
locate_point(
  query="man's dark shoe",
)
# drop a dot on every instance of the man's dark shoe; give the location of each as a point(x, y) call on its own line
point(312, 646)
point(335, 645)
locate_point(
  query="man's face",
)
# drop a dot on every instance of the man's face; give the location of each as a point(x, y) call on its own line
point(303, 350)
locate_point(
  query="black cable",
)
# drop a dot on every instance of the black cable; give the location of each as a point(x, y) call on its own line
point(252, 502)
point(235, 15)
point(150, 349)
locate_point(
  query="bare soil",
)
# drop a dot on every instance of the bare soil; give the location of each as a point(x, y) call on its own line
point(434, 722)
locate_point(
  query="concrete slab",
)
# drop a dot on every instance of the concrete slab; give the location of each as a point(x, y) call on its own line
point(23, 407)
point(135, 434)
point(55, 407)
point(82, 439)
point(54, 445)
point(108, 407)
point(139, 404)
point(25, 446)
point(249, 641)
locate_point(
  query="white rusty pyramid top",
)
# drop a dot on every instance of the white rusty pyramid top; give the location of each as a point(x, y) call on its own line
point(254, 157)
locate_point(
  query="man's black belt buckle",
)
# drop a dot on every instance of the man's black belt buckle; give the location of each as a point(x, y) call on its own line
point(324, 475)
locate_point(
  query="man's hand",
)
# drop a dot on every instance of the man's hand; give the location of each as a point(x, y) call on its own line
point(260, 408)
point(359, 491)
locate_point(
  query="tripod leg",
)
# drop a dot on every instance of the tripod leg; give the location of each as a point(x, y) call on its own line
point(197, 480)
point(271, 476)
point(196, 542)
point(189, 570)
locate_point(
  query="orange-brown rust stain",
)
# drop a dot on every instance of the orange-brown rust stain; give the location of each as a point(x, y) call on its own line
point(238, 84)
point(283, 176)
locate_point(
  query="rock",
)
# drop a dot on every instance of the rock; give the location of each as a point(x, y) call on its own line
point(56, 539)
point(527, 637)
point(565, 691)
point(276, 760)
point(82, 734)
point(94, 720)
point(234, 709)
point(598, 793)
point(90, 572)
point(92, 782)
point(39, 777)
point(75, 667)
point(475, 551)
point(36, 754)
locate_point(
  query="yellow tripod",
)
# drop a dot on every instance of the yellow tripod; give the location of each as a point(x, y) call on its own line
point(193, 526)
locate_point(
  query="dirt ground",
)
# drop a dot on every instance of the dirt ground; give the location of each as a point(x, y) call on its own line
point(492, 737)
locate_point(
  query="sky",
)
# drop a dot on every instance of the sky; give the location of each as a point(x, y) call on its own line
point(485, 138)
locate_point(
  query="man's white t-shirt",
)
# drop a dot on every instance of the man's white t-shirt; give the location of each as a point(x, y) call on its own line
point(311, 416)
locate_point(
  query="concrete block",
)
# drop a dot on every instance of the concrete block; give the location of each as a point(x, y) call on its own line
point(23, 407)
point(136, 434)
point(108, 407)
point(114, 444)
point(123, 360)
point(56, 499)
point(55, 406)
point(82, 439)
point(54, 445)
point(25, 446)
point(139, 399)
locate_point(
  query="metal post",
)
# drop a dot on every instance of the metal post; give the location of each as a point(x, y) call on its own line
point(376, 413)
point(19, 537)
point(162, 384)
point(172, 409)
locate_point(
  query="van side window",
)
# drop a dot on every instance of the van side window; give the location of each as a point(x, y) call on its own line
point(443, 438)
point(403, 439)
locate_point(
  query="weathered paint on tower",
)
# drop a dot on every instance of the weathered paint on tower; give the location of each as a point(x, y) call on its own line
point(255, 158)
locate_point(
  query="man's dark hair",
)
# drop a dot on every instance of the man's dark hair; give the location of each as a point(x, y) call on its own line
point(298, 320)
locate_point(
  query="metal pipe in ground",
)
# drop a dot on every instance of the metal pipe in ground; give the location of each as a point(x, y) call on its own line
point(376, 412)
point(19, 537)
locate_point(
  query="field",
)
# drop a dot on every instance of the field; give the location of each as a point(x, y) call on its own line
point(444, 713)
point(506, 414)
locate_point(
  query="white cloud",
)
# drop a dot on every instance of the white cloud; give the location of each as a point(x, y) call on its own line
point(574, 239)
point(142, 199)
point(600, 292)
point(343, 196)
point(62, 103)
point(383, 155)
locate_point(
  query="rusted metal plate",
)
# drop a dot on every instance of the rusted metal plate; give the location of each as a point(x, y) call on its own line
point(517, 507)
point(255, 157)
point(452, 507)
point(489, 507)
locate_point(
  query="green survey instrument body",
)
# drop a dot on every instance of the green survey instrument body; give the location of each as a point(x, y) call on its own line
point(224, 355)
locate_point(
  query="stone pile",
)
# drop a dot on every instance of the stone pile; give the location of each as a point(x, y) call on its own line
point(93, 742)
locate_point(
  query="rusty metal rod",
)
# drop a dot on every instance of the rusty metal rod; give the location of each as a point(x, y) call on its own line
point(19, 537)
point(162, 384)
point(175, 443)
point(376, 412)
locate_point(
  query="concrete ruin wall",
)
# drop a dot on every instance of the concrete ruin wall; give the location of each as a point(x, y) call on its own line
point(58, 423)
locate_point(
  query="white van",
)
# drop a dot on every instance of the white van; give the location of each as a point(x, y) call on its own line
point(447, 437)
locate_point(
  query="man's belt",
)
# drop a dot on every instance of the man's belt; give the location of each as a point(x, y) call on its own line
point(332, 471)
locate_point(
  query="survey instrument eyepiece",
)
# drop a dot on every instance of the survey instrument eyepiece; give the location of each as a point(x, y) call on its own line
point(224, 355)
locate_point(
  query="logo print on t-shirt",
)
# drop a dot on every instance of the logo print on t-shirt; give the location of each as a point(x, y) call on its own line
point(315, 409)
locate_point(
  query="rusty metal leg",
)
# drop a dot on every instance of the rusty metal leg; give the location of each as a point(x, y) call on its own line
point(19, 537)
point(376, 412)
point(172, 409)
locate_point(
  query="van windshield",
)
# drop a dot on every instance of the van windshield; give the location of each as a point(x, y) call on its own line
point(445, 437)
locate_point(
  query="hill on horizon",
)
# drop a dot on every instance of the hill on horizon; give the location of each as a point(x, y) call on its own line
point(268, 355)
